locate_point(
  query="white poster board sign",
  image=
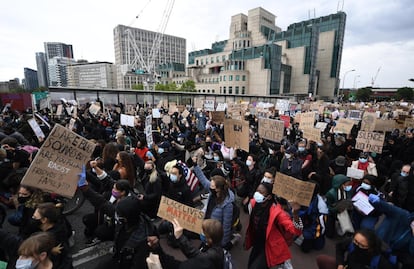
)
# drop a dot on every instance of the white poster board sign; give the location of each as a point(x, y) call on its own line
point(127, 120)
point(36, 129)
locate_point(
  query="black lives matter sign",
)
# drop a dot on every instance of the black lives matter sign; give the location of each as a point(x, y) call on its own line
point(59, 162)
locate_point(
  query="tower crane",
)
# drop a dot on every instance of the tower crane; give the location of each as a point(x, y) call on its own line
point(374, 78)
point(146, 65)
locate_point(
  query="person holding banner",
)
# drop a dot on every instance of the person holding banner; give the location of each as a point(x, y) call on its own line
point(365, 163)
point(270, 231)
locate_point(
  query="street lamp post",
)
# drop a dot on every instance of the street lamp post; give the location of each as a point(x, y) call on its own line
point(343, 82)
point(355, 81)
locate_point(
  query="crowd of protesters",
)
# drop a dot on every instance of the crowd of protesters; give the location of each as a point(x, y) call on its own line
point(126, 177)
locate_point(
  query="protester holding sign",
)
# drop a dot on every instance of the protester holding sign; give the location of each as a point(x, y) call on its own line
point(366, 164)
point(270, 230)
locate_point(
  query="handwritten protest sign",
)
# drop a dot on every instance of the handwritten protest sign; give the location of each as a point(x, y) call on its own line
point(384, 125)
point(313, 134)
point(368, 121)
point(59, 162)
point(294, 189)
point(236, 133)
point(221, 107)
point(148, 129)
point(189, 218)
point(166, 119)
point(307, 120)
point(217, 116)
point(172, 108)
point(209, 105)
point(198, 102)
point(59, 110)
point(185, 113)
point(271, 129)
point(36, 128)
point(234, 111)
point(354, 173)
point(370, 141)
point(94, 108)
point(409, 122)
point(344, 126)
point(282, 105)
point(321, 126)
point(127, 120)
point(156, 113)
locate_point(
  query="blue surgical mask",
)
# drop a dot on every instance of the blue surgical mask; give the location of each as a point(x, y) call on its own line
point(160, 150)
point(301, 149)
point(365, 186)
point(403, 174)
point(320, 144)
point(203, 238)
point(348, 188)
point(363, 160)
point(26, 264)
point(258, 197)
point(248, 162)
point(173, 178)
point(216, 158)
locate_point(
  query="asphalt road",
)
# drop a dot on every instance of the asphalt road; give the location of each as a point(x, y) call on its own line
point(89, 257)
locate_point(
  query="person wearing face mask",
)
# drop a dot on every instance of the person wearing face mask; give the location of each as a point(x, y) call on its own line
point(178, 189)
point(403, 190)
point(133, 231)
point(152, 184)
point(291, 165)
point(338, 199)
point(37, 251)
point(219, 205)
point(365, 163)
point(363, 250)
point(270, 230)
point(164, 155)
point(99, 225)
point(396, 229)
point(360, 220)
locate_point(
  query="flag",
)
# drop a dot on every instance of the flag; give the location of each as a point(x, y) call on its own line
point(190, 177)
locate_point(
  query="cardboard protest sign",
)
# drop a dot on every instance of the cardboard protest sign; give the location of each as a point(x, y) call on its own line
point(307, 120)
point(271, 129)
point(286, 120)
point(384, 125)
point(59, 110)
point(409, 122)
point(185, 113)
point(127, 120)
point(344, 126)
point(313, 134)
point(293, 189)
point(234, 111)
point(94, 108)
point(172, 108)
point(198, 102)
point(368, 121)
point(217, 116)
point(209, 105)
point(59, 162)
point(166, 119)
point(189, 218)
point(370, 141)
point(236, 133)
point(36, 129)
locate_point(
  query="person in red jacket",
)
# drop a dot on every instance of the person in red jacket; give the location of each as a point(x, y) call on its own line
point(270, 231)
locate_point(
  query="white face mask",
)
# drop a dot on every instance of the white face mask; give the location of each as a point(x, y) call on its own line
point(267, 180)
point(287, 155)
point(271, 151)
point(365, 186)
point(258, 197)
point(248, 162)
point(26, 264)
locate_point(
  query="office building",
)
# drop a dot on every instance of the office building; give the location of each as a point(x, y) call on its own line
point(261, 59)
point(130, 72)
point(30, 79)
point(92, 75)
point(41, 65)
point(57, 70)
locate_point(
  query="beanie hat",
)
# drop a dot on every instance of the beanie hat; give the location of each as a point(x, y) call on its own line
point(129, 208)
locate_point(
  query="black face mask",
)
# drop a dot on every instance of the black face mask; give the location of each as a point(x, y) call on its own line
point(10, 154)
point(22, 199)
point(35, 223)
point(208, 144)
point(213, 192)
point(148, 171)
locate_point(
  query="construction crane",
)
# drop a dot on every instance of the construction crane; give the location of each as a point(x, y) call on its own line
point(374, 78)
point(146, 65)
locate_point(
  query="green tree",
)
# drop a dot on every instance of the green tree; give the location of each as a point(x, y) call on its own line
point(139, 87)
point(188, 86)
point(160, 87)
point(363, 94)
point(405, 93)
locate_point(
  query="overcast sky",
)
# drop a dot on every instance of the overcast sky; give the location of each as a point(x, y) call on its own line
point(379, 33)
